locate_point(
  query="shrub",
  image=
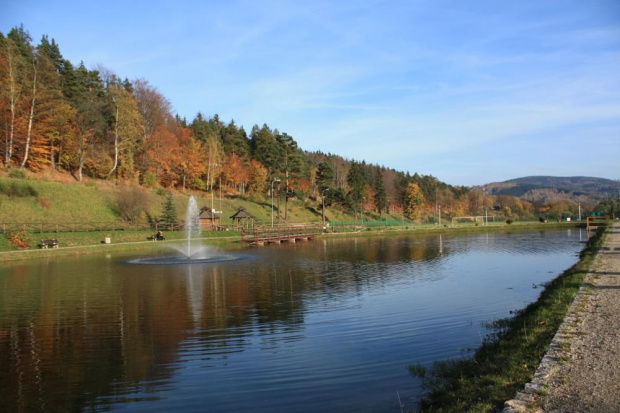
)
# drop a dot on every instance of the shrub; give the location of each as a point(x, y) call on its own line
point(199, 184)
point(18, 189)
point(131, 202)
point(19, 239)
point(150, 180)
point(17, 174)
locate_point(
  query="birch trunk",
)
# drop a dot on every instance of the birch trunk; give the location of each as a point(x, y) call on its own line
point(31, 117)
point(8, 153)
point(116, 139)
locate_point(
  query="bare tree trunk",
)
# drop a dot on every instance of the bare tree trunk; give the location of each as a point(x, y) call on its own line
point(8, 152)
point(116, 139)
point(81, 156)
point(31, 117)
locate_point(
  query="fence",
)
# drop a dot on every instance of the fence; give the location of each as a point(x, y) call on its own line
point(40, 227)
point(366, 223)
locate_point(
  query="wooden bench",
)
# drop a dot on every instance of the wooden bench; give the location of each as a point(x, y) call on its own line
point(49, 243)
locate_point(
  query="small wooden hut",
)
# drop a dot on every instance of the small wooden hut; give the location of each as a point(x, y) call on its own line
point(242, 218)
point(208, 219)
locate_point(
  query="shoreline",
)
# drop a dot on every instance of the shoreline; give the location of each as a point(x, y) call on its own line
point(76, 250)
point(578, 372)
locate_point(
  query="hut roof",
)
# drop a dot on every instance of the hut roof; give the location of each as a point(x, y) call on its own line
point(242, 213)
point(207, 213)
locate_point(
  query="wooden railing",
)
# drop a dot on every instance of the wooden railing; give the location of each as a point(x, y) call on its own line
point(595, 222)
point(41, 227)
point(265, 235)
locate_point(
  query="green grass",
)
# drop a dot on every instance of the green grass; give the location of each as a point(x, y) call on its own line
point(510, 355)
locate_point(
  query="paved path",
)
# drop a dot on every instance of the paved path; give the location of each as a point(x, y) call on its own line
point(581, 371)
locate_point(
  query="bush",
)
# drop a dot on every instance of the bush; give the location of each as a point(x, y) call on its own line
point(131, 202)
point(18, 189)
point(17, 174)
point(150, 180)
point(19, 239)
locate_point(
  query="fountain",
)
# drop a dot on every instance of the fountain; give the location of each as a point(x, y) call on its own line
point(191, 254)
point(192, 223)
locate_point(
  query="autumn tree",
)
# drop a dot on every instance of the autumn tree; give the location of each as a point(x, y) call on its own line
point(235, 173)
point(124, 119)
point(258, 178)
point(414, 201)
point(192, 159)
point(155, 116)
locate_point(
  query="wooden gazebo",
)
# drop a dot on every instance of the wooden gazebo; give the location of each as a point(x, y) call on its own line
point(243, 218)
point(208, 219)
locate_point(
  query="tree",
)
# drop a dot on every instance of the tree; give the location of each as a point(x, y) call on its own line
point(12, 70)
point(125, 120)
point(169, 211)
point(356, 182)
point(324, 175)
point(380, 194)
point(155, 115)
point(258, 178)
point(235, 173)
point(235, 141)
point(414, 201)
point(193, 155)
point(90, 123)
point(266, 149)
point(291, 167)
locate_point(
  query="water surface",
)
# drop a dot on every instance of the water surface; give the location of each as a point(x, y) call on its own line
point(322, 325)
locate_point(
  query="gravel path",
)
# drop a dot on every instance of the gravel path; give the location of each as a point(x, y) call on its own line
point(581, 371)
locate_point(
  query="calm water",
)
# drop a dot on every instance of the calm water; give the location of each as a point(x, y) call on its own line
point(325, 325)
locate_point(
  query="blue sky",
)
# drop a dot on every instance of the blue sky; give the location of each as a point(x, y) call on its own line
point(468, 91)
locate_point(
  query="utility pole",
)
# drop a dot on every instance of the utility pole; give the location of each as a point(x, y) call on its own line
point(323, 207)
point(272, 182)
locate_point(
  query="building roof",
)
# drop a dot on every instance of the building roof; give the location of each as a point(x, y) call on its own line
point(242, 213)
point(208, 213)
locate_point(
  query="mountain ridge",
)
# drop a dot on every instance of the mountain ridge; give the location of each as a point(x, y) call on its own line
point(545, 188)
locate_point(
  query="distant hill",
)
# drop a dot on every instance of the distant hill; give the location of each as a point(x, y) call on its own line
point(551, 188)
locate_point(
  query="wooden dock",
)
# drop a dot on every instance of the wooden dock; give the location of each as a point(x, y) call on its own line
point(276, 235)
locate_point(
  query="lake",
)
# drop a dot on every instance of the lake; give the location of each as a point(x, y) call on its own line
point(328, 324)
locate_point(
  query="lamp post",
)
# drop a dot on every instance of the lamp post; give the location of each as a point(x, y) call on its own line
point(323, 201)
point(211, 185)
point(272, 182)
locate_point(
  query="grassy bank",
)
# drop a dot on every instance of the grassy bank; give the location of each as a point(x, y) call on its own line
point(510, 355)
point(76, 242)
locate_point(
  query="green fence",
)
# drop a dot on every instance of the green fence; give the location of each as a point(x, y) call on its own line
point(366, 223)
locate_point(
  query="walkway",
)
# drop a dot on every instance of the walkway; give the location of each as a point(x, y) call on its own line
point(581, 371)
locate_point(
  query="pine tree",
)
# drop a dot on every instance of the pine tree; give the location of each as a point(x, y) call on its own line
point(169, 211)
point(379, 188)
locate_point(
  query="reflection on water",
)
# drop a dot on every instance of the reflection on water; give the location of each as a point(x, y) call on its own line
point(329, 324)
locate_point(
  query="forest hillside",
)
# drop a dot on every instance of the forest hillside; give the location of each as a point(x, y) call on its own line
point(95, 129)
